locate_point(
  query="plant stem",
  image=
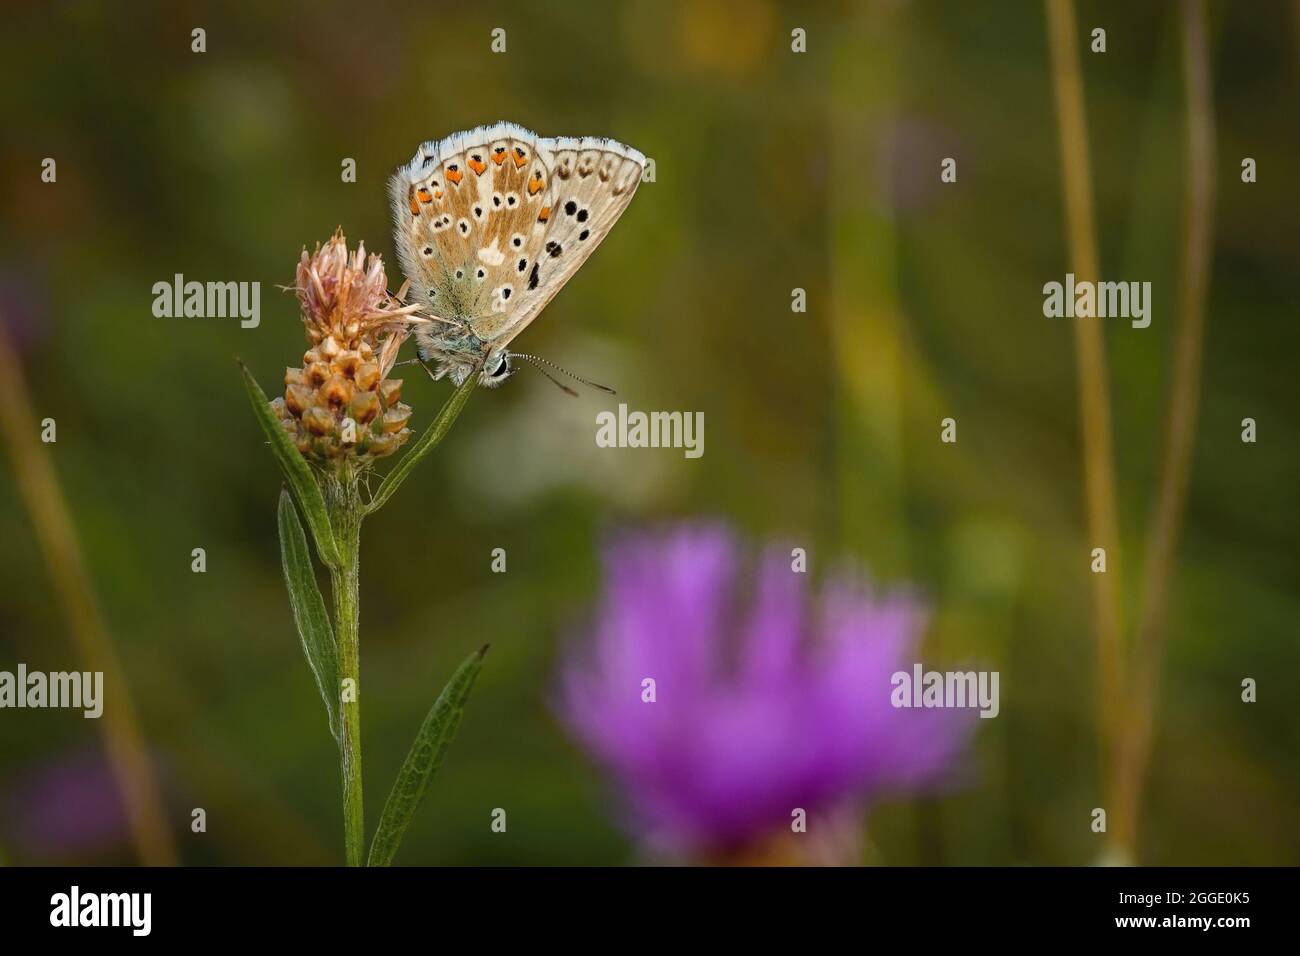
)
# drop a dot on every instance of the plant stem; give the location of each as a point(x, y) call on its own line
point(1189, 337)
point(343, 499)
point(1094, 400)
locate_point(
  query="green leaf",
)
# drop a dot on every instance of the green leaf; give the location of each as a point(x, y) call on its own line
point(431, 743)
point(297, 473)
point(432, 435)
point(309, 608)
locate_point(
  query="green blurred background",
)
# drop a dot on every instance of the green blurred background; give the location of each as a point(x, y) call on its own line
point(774, 170)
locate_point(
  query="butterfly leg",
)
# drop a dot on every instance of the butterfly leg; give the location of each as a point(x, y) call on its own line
point(425, 366)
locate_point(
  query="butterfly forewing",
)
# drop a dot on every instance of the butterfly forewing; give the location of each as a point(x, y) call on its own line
point(491, 223)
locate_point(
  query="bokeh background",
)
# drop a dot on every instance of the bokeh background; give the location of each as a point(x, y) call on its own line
point(774, 170)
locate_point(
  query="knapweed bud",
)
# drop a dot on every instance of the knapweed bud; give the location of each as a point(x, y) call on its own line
point(338, 406)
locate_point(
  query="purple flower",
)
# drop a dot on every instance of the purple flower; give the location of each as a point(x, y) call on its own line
point(65, 807)
point(764, 701)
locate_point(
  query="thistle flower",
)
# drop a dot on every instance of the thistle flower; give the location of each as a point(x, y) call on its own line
point(759, 709)
point(339, 405)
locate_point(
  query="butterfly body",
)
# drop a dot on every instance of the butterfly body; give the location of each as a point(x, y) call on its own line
point(490, 224)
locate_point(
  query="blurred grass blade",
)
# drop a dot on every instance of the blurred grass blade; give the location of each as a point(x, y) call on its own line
point(296, 472)
point(309, 608)
point(41, 494)
point(431, 743)
point(432, 435)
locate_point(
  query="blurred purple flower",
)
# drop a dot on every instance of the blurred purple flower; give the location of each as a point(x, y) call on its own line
point(911, 148)
point(66, 807)
point(763, 703)
point(24, 310)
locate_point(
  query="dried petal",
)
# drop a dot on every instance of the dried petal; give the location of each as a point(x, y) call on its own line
point(365, 406)
point(297, 398)
point(395, 418)
point(337, 391)
point(367, 376)
point(390, 391)
point(318, 421)
point(347, 362)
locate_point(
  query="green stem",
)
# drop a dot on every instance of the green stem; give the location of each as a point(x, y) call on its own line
point(344, 502)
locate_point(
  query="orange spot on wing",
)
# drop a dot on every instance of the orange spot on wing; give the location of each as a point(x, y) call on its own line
point(499, 155)
point(545, 214)
point(424, 195)
point(535, 185)
point(437, 194)
point(519, 160)
point(478, 166)
point(455, 176)
point(415, 207)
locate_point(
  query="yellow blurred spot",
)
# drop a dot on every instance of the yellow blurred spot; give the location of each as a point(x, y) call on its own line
point(730, 37)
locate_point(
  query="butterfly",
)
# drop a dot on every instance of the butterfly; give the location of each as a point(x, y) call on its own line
point(490, 224)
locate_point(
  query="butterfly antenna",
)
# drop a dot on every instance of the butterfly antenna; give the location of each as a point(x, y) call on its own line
point(537, 362)
point(555, 381)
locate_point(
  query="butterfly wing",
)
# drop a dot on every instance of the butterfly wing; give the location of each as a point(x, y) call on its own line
point(491, 223)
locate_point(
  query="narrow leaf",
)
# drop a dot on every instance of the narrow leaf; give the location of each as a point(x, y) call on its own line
point(309, 608)
point(431, 743)
point(297, 473)
point(432, 435)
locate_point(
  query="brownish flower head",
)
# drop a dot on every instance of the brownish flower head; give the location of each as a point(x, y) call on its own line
point(339, 406)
